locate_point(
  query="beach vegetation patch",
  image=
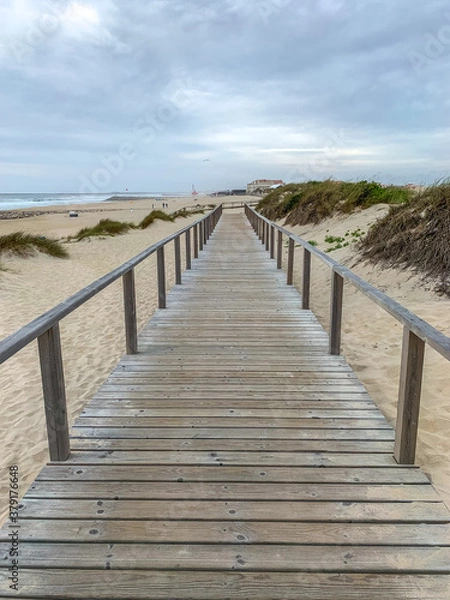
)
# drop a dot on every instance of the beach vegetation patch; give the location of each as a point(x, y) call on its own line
point(105, 227)
point(416, 235)
point(26, 244)
point(153, 216)
point(314, 201)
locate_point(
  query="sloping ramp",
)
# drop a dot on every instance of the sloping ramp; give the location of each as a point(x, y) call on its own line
point(232, 458)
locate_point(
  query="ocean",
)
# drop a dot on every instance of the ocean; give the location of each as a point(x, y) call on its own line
point(38, 201)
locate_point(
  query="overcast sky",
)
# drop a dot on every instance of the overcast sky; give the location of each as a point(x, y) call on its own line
point(157, 95)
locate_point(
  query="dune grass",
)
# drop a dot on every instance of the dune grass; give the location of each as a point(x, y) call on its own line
point(108, 227)
point(26, 244)
point(153, 216)
point(105, 227)
point(415, 234)
point(314, 201)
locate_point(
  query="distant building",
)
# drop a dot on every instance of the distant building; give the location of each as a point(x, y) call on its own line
point(262, 186)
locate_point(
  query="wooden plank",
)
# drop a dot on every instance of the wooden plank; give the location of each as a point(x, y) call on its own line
point(210, 585)
point(307, 423)
point(233, 413)
point(386, 475)
point(231, 490)
point(247, 436)
point(261, 458)
point(233, 557)
point(240, 378)
point(368, 512)
point(197, 404)
point(133, 442)
point(229, 532)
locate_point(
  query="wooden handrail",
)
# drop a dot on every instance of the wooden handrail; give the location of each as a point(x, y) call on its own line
point(417, 332)
point(46, 328)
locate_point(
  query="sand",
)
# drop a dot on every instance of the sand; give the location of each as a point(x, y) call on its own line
point(93, 338)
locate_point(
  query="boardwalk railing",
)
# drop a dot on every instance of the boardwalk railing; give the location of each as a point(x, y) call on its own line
point(46, 327)
point(416, 332)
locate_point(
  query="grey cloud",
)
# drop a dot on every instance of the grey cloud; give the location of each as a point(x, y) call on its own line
point(296, 71)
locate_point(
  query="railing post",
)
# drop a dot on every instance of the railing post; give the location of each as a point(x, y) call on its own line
point(280, 250)
point(413, 351)
point(161, 277)
point(205, 231)
point(129, 303)
point(272, 241)
point(201, 234)
point(196, 241)
point(337, 288)
point(290, 265)
point(53, 386)
point(188, 250)
point(306, 280)
point(177, 260)
point(267, 237)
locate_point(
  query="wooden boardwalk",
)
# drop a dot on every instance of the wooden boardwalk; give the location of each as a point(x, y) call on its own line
point(232, 458)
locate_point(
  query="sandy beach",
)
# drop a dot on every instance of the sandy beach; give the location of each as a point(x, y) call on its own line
point(93, 338)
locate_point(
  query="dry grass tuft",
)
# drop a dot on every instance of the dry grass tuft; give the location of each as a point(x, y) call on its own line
point(104, 227)
point(26, 244)
point(153, 216)
point(416, 235)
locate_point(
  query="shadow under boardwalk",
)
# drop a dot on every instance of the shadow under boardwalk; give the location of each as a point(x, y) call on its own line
point(232, 458)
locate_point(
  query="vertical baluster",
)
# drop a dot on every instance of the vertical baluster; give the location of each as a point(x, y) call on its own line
point(337, 289)
point(290, 265)
point(161, 278)
point(413, 352)
point(306, 279)
point(54, 390)
point(196, 240)
point(280, 250)
point(177, 260)
point(188, 250)
point(129, 303)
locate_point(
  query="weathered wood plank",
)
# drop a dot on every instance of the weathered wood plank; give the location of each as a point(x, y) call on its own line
point(131, 441)
point(368, 512)
point(233, 491)
point(253, 423)
point(386, 475)
point(237, 557)
point(233, 413)
point(210, 585)
point(239, 532)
